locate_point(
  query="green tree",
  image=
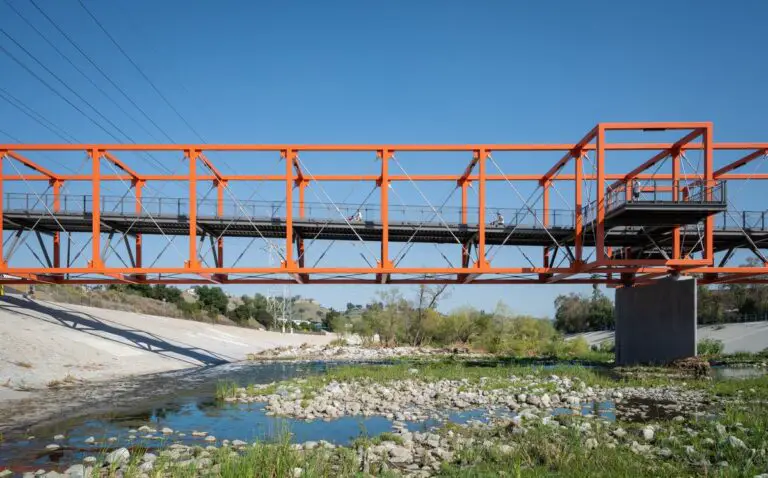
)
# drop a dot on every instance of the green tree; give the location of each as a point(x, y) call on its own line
point(212, 299)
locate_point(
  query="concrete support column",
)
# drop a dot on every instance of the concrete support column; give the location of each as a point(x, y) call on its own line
point(656, 323)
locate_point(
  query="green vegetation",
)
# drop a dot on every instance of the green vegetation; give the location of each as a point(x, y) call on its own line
point(577, 313)
point(549, 451)
point(398, 321)
point(710, 347)
point(226, 389)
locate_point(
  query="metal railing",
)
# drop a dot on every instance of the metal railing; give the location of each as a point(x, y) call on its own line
point(179, 207)
point(747, 220)
point(658, 192)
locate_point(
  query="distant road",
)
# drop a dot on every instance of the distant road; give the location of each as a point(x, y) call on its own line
point(743, 337)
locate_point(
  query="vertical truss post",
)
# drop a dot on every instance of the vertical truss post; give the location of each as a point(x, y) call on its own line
point(289, 155)
point(221, 184)
point(95, 262)
point(480, 156)
point(675, 197)
point(304, 278)
point(578, 224)
point(600, 189)
point(384, 155)
point(465, 247)
point(709, 230)
point(192, 262)
point(138, 186)
point(384, 261)
point(56, 235)
point(545, 223)
point(464, 187)
point(2, 180)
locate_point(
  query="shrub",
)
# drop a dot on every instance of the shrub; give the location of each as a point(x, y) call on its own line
point(710, 347)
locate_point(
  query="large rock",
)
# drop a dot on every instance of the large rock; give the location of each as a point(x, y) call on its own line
point(736, 442)
point(75, 471)
point(118, 457)
point(400, 455)
point(648, 433)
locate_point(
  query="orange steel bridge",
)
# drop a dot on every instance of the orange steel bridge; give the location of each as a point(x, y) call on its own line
point(640, 225)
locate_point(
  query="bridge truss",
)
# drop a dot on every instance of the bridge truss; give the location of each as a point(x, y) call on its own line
point(637, 226)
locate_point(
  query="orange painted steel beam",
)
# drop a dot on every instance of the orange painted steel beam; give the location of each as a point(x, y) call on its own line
point(578, 210)
point(576, 150)
point(375, 147)
point(288, 155)
point(372, 177)
point(384, 261)
point(96, 262)
point(481, 155)
point(120, 164)
point(676, 147)
point(709, 222)
point(600, 204)
point(216, 173)
point(32, 165)
point(720, 173)
point(604, 265)
point(192, 156)
point(2, 208)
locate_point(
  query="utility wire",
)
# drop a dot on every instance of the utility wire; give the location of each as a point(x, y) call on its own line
point(78, 69)
point(141, 72)
point(159, 164)
point(64, 83)
point(35, 116)
point(55, 91)
point(96, 66)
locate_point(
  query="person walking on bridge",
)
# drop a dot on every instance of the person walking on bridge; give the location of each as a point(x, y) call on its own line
point(499, 221)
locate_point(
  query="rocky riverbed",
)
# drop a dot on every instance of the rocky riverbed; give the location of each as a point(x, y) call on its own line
point(413, 399)
point(680, 444)
point(539, 421)
point(358, 353)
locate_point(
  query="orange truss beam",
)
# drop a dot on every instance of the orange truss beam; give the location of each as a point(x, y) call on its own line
point(604, 264)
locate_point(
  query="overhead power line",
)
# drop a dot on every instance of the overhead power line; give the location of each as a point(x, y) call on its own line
point(35, 116)
point(64, 84)
point(98, 68)
point(55, 91)
point(141, 72)
point(78, 69)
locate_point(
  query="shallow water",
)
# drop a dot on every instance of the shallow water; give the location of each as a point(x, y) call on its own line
point(726, 372)
point(194, 407)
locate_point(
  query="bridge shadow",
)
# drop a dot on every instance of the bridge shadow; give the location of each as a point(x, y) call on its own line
point(112, 331)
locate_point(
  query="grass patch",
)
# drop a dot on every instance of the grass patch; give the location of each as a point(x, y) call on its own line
point(22, 364)
point(226, 389)
point(339, 342)
point(269, 459)
point(69, 379)
point(492, 373)
point(746, 388)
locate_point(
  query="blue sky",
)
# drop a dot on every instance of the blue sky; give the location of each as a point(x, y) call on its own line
point(395, 72)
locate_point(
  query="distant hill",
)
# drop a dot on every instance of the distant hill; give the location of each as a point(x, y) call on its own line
point(308, 310)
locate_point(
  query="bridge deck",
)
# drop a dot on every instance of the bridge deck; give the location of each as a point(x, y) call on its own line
point(532, 234)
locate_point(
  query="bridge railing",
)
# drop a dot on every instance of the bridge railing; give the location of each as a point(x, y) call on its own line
point(179, 207)
point(747, 220)
point(658, 192)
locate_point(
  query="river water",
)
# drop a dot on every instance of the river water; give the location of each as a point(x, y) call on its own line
point(191, 406)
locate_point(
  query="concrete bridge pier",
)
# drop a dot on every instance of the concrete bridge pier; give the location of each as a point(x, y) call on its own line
point(656, 323)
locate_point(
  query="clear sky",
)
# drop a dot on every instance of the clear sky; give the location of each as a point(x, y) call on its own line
point(391, 72)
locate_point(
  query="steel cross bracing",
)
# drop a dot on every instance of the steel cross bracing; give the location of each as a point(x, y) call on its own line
point(638, 225)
